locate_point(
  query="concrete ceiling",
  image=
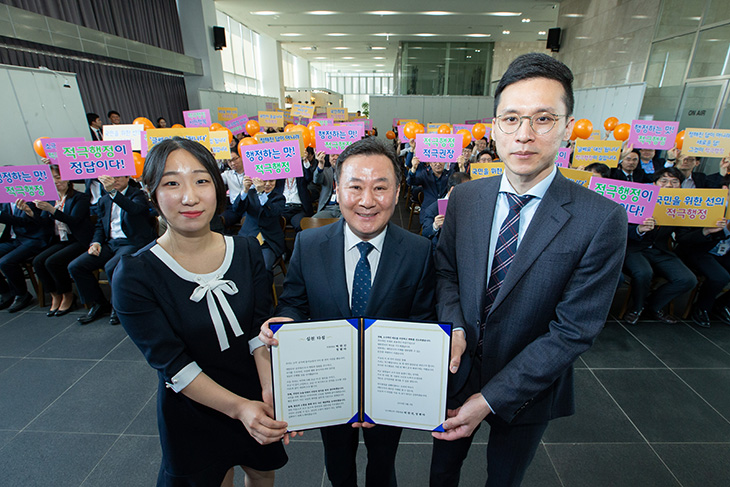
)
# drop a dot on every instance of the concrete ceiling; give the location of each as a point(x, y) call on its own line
point(352, 36)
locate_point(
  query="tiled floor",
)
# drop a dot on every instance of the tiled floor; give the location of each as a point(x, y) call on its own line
point(77, 408)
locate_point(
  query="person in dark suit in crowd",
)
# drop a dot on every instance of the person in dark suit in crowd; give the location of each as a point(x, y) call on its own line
point(432, 220)
point(599, 170)
point(27, 232)
point(95, 126)
point(324, 177)
point(262, 207)
point(686, 164)
point(433, 179)
point(124, 226)
point(298, 201)
point(526, 272)
point(319, 286)
point(73, 233)
point(628, 169)
point(648, 251)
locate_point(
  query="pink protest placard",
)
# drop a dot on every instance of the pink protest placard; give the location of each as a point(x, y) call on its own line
point(50, 146)
point(274, 160)
point(333, 140)
point(93, 159)
point(438, 148)
point(359, 126)
point(562, 158)
point(638, 199)
point(143, 144)
point(237, 125)
point(459, 126)
point(197, 118)
point(368, 123)
point(28, 183)
point(650, 134)
point(324, 122)
point(401, 136)
point(442, 204)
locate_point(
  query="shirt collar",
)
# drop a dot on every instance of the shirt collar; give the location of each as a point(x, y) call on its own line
point(352, 240)
point(537, 191)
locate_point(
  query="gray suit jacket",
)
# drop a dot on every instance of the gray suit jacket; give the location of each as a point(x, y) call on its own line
point(552, 305)
point(324, 178)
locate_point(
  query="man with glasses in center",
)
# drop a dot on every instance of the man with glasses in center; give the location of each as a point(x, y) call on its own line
point(527, 266)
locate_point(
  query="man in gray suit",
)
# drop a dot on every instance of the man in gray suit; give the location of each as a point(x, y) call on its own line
point(527, 266)
point(324, 176)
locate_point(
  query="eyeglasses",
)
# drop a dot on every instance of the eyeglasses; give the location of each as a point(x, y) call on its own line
point(669, 182)
point(541, 123)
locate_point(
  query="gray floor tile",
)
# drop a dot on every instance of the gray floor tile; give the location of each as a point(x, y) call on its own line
point(697, 465)
point(580, 363)
point(609, 466)
point(680, 345)
point(541, 472)
point(33, 384)
point(133, 461)
point(597, 419)
point(616, 348)
point(7, 362)
point(306, 464)
point(146, 421)
point(53, 459)
point(662, 407)
point(413, 463)
point(416, 436)
point(126, 350)
point(719, 334)
point(105, 400)
point(92, 342)
point(712, 385)
point(5, 437)
point(25, 333)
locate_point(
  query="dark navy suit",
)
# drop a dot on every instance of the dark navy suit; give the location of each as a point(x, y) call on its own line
point(265, 219)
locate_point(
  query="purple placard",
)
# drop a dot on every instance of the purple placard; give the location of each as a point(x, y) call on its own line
point(401, 136)
point(650, 134)
point(49, 145)
point(333, 140)
point(443, 203)
point(28, 183)
point(438, 147)
point(359, 126)
point(562, 158)
point(324, 122)
point(472, 122)
point(143, 143)
point(273, 160)
point(237, 125)
point(93, 159)
point(637, 199)
point(459, 126)
point(197, 118)
point(368, 123)
point(271, 105)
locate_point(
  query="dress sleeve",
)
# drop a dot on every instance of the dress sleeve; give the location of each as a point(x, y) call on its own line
point(141, 316)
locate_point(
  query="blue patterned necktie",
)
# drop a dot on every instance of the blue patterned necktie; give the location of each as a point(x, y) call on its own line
point(361, 280)
point(504, 254)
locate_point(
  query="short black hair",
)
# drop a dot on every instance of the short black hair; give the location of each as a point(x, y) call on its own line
point(489, 152)
point(55, 169)
point(91, 117)
point(112, 112)
point(369, 146)
point(154, 168)
point(537, 65)
point(457, 178)
point(309, 150)
point(669, 171)
point(161, 118)
point(600, 168)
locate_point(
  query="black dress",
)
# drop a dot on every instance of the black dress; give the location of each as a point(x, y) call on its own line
point(171, 315)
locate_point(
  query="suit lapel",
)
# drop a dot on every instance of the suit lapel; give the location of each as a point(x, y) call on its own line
point(549, 218)
point(388, 268)
point(484, 211)
point(332, 260)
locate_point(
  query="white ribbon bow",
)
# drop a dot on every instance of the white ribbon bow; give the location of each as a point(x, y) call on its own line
point(217, 287)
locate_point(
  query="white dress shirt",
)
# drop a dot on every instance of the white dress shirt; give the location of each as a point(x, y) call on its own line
point(352, 256)
point(234, 182)
point(116, 219)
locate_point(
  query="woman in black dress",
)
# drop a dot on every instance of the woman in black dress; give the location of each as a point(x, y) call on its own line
point(73, 233)
point(193, 302)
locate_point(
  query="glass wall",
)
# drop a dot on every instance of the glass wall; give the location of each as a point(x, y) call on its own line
point(361, 83)
point(445, 68)
point(240, 56)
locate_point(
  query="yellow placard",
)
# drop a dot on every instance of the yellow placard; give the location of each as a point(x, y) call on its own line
point(198, 134)
point(282, 137)
point(271, 119)
point(707, 142)
point(486, 169)
point(219, 145)
point(302, 110)
point(581, 177)
point(227, 113)
point(337, 114)
point(606, 152)
point(595, 135)
point(690, 207)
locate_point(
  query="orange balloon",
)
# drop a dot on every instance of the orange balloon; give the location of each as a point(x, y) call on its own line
point(246, 141)
point(303, 133)
point(38, 147)
point(288, 127)
point(144, 122)
point(313, 123)
point(390, 135)
point(410, 131)
point(230, 134)
point(679, 140)
point(178, 126)
point(621, 132)
point(252, 127)
point(479, 130)
point(444, 130)
point(215, 127)
point(466, 139)
point(583, 128)
point(420, 129)
point(138, 164)
point(610, 123)
point(573, 135)
point(312, 135)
